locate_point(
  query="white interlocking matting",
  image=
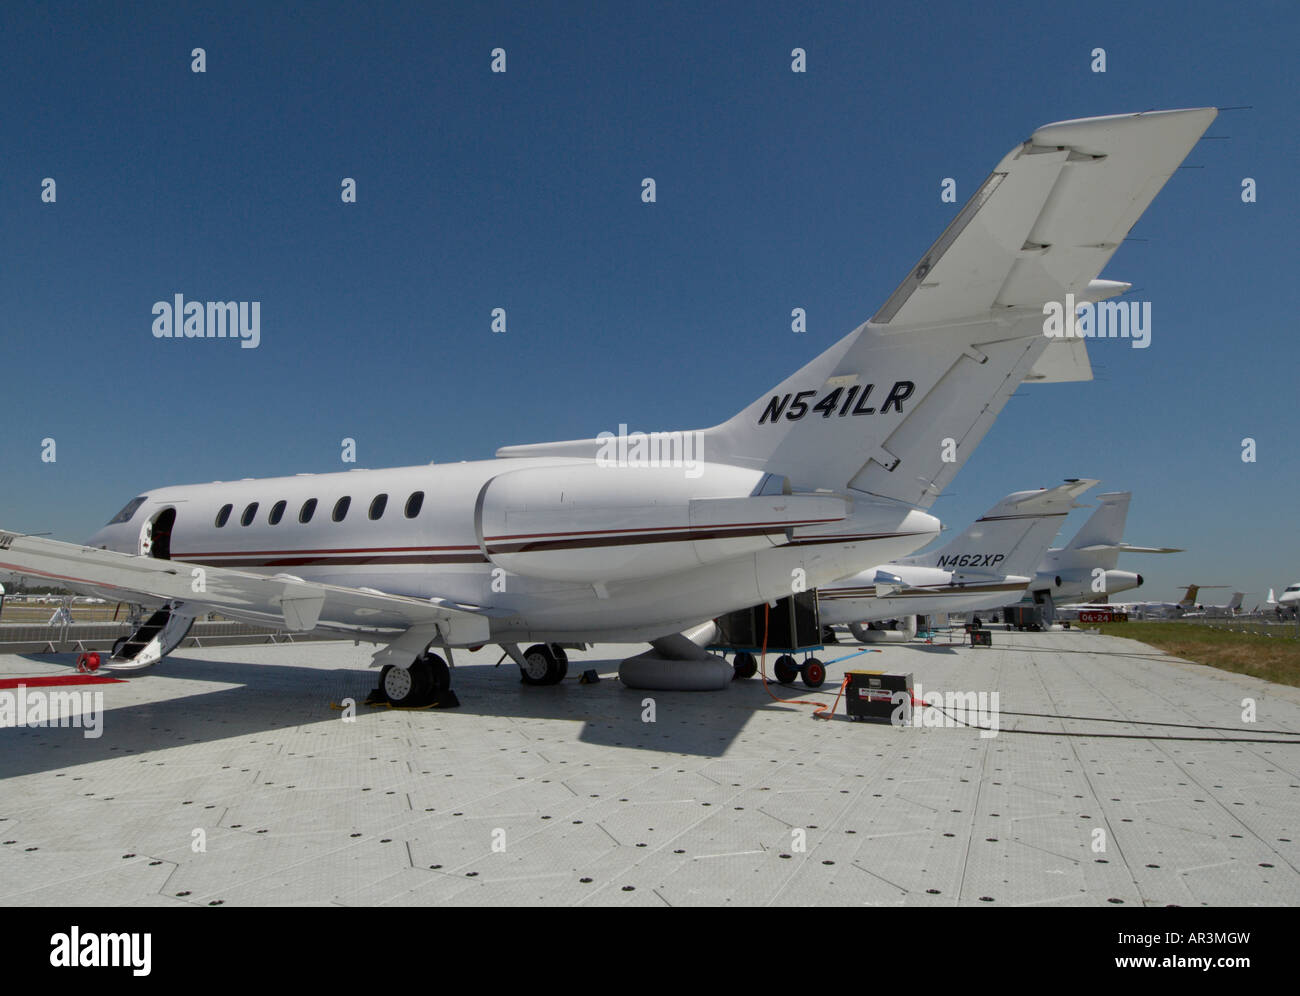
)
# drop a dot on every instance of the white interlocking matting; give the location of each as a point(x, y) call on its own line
point(224, 777)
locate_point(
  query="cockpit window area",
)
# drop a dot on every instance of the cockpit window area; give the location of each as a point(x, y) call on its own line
point(129, 510)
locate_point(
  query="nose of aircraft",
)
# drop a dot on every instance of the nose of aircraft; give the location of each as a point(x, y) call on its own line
point(113, 537)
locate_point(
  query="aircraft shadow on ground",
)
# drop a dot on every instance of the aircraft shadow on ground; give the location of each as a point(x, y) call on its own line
point(269, 697)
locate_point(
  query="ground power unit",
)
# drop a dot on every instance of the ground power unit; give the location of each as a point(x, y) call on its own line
point(877, 695)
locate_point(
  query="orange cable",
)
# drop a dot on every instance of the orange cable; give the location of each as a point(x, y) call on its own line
point(820, 712)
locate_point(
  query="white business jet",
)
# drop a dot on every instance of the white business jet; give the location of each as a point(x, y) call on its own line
point(1145, 610)
point(987, 566)
point(1227, 610)
point(1289, 601)
point(600, 540)
point(1086, 566)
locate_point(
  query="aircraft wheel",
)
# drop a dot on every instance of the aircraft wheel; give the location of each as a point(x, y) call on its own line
point(407, 686)
point(542, 666)
point(560, 655)
point(814, 673)
point(785, 669)
point(745, 666)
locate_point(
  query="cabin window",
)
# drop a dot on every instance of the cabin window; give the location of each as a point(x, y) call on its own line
point(413, 504)
point(341, 508)
point(277, 512)
point(378, 505)
point(224, 515)
point(308, 510)
point(247, 518)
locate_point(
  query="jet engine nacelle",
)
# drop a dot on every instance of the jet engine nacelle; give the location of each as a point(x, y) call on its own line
point(1117, 581)
point(1079, 583)
point(593, 524)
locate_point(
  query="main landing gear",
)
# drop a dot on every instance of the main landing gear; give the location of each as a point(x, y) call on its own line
point(544, 664)
point(426, 682)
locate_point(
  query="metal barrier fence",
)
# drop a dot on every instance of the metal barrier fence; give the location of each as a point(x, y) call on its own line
point(23, 638)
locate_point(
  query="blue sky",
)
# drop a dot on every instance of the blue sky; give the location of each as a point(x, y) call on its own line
point(522, 191)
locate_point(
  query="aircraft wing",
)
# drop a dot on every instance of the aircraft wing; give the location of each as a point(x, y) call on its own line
point(1045, 223)
point(280, 600)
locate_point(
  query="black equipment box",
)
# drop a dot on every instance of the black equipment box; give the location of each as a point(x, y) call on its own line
point(1024, 616)
point(981, 638)
point(878, 696)
point(794, 624)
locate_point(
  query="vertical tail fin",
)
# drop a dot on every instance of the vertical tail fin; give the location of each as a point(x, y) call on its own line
point(892, 414)
point(1012, 536)
point(1105, 527)
point(898, 406)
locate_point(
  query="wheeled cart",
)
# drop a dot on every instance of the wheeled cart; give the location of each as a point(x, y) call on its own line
point(792, 626)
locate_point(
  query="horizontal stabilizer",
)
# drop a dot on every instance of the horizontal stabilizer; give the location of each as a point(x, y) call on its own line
point(896, 407)
point(1011, 537)
point(1048, 218)
point(1063, 361)
point(1125, 548)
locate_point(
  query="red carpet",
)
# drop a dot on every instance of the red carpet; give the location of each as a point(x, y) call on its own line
point(59, 679)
